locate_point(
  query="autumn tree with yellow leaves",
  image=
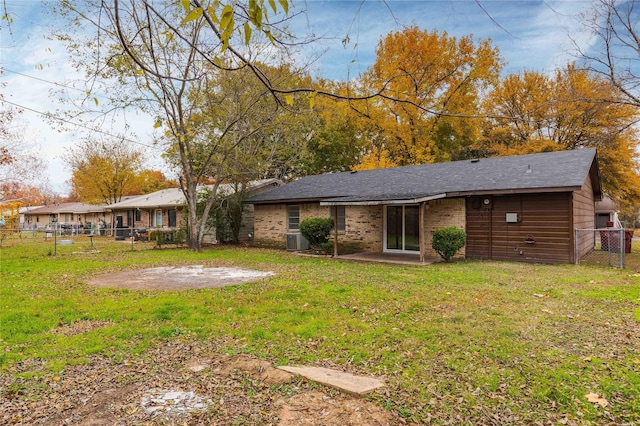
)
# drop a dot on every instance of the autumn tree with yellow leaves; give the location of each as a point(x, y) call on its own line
point(341, 135)
point(573, 109)
point(103, 171)
point(429, 81)
point(161, 54)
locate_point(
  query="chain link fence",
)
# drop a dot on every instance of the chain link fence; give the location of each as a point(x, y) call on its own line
point(605, 247)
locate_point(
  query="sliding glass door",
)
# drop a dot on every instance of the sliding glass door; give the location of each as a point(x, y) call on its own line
point(402, 228)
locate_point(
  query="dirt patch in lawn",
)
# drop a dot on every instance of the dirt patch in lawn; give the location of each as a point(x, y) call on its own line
point(179, 383)
point(177, 278)
point(80, 327)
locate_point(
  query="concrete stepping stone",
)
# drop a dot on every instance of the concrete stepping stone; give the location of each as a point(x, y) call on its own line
point(355, 385)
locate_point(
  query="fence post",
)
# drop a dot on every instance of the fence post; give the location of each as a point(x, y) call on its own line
point(576, 251)
point(623, 246)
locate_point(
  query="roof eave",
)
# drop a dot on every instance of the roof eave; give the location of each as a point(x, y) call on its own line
point(284, 201)
point(596, 179)
point(152, 206)
point(384, 202)
point(513, 191)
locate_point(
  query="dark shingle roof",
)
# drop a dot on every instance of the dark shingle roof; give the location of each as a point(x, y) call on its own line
point(524, 173)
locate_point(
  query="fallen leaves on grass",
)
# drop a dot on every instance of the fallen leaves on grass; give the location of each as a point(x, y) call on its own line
point(179, 383)
point(80, 327)
point(316, 408)
point(597, 399)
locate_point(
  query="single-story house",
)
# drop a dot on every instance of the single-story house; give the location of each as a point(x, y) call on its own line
point(160, 209)
point(522, 208)
point(606, 212)
point(70, 215)
point(23, 218)
point(167, 209)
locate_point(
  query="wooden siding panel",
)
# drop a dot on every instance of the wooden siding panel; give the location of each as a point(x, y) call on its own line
point(478, 228)
point(584, 216)
point(542, 233)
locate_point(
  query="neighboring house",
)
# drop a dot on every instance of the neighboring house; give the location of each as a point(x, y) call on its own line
point(84, 216)
point(167, 209)
point(71, 215)
point(41, 218)
point(160, 209)
point(606, 212)
point(522, 208)
point(23, 217)
point(255, 188)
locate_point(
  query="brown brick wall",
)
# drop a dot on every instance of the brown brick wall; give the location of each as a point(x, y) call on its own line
point(270, 222)
point(145, 221)
point(309, 210)
point(441, 214)
point(364, 225)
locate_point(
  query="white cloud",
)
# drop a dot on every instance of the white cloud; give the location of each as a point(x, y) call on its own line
point(32, 66)
point(530, 35)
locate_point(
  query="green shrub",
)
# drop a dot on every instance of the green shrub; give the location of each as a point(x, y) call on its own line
point(180, 236)
point(447, 241)
point(161, 236)
point(157, 236)
point(316, 230)
point(327, 247)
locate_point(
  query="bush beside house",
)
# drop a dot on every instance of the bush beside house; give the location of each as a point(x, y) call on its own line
point(447, 241)
point(316, 230)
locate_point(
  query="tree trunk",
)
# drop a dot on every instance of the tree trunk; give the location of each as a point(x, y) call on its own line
point(197, 223)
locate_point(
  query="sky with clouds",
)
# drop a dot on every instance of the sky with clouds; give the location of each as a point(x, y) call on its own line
point(531, 35)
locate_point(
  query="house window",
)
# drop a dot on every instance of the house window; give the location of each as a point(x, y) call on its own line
point(340, 221)
point(159, 217)
point(293, 217)
point(138, 215)
point(172, 218)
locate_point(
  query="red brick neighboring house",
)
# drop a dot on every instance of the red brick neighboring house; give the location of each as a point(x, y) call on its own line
point(166, 209)
point(521, 208)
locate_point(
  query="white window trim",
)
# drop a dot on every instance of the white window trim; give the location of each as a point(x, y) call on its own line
point(289, 228)
point(155, 216)
point(384, 239)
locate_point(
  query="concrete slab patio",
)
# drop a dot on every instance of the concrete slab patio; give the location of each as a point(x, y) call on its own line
point(395, 258)
point(185, 277)
point(355, 385)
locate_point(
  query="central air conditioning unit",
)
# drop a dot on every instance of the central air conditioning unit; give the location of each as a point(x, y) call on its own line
point(297, 242)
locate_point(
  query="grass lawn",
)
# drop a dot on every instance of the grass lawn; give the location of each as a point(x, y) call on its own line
point(460, 343)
